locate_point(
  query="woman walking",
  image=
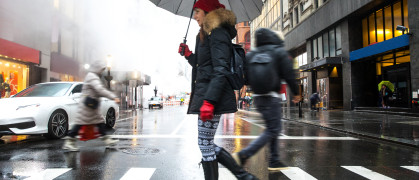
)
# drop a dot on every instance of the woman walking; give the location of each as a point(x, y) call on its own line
point(212, 95)
point(92, 90)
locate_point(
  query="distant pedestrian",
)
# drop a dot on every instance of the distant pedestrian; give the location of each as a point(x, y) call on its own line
point(314, 99)
point(270, 47)
point(385, 94)
point(212, 95)
point(88, 108)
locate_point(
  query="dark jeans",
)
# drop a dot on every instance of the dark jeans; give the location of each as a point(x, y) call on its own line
point(270, 109)
point(76, 128)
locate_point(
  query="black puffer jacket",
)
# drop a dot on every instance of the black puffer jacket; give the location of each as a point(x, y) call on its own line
point(267, 40)
point(210, 64)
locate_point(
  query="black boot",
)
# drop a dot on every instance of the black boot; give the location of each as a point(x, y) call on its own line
point(210, 169)
point(227, 161)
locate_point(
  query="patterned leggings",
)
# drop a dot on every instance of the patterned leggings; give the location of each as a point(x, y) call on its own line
point(206, 133)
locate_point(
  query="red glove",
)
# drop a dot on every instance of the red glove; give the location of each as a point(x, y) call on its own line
point(186, 50)
point(207, 111)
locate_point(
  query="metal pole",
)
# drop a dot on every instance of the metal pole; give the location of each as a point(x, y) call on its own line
point(300, 112)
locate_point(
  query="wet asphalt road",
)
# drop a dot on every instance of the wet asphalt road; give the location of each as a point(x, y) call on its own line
point(162, 144)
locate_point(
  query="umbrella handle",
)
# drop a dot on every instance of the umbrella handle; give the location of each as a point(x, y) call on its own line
point(182, 51)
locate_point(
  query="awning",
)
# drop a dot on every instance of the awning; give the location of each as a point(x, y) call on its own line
point(19, 52)
point(391, 44)
point(64, 65)
point(322, 63)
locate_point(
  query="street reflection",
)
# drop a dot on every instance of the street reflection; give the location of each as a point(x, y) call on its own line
point(14, 138)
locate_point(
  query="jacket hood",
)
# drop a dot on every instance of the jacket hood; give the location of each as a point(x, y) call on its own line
point(220, 18)
point(97, 67)
point(266, 36)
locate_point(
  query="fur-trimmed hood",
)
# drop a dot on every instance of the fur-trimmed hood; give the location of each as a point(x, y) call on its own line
point(220, 18)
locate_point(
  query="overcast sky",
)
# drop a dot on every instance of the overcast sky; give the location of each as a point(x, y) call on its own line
point(145, 39)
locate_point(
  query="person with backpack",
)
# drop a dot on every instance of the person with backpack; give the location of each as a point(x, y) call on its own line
point(212, 95)
point(266, 66)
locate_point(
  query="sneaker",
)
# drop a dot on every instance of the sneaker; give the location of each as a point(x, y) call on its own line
point(70, 144)
point(277, 166)
point(239, 160)
point(109, 141)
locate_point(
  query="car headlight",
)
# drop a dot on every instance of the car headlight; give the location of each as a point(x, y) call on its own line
point(28, 106)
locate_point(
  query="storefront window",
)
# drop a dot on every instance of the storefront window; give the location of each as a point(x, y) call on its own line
point(405, 14)
point(365, 32)
point(381, 25)
point(388, 22)
point(392, 59)
point(371, 23)
point(397, 11)
point(15, 74)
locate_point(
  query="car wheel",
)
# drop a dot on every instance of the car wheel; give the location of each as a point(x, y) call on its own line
point(57, 125)
point(110, 118)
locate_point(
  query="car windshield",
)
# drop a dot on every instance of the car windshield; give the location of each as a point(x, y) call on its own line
point(45, 90)
point(155, 99)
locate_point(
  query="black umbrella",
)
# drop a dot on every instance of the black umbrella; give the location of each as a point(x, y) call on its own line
point(245, 10)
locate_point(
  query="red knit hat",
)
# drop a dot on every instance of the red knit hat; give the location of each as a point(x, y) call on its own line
point(208, 5)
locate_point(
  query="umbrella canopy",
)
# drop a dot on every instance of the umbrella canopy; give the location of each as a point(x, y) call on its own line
point(386, 83)
point(245, 10)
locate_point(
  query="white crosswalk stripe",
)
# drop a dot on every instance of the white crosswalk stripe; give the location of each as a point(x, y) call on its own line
point(225, 174)
point(413, 168)
point(293, 173)
point(297, 173)
point(366, 173)
point(48, 174)
point(138, 174)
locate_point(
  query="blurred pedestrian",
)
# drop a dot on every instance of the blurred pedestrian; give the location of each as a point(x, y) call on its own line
point(212, 95)
point(314, 99)
point(88, 108)
point(269, 44)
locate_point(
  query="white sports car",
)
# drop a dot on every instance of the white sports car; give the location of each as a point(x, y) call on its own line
point(49, 109)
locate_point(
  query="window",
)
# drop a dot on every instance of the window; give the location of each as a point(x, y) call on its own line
point(338, 41)
point(326, 44)
point(332, 42)
point(320, 46)
point(381, 24)
point(314, 45)
point(296, 15)
point(329, 44)
point(301, 8)
point(77, 89)
point(302, 59)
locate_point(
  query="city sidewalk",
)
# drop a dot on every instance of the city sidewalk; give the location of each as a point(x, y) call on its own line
point(393, 128)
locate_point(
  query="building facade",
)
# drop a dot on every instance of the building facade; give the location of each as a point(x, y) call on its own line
point(349, 47)
point(344, 49)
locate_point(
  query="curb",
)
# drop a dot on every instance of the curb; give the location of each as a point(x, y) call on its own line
point(256, 114)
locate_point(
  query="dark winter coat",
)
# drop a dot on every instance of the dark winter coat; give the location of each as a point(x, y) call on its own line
point(210, 64)
point(269, 41)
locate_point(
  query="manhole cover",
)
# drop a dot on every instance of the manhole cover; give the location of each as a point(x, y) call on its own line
point(141, 151)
